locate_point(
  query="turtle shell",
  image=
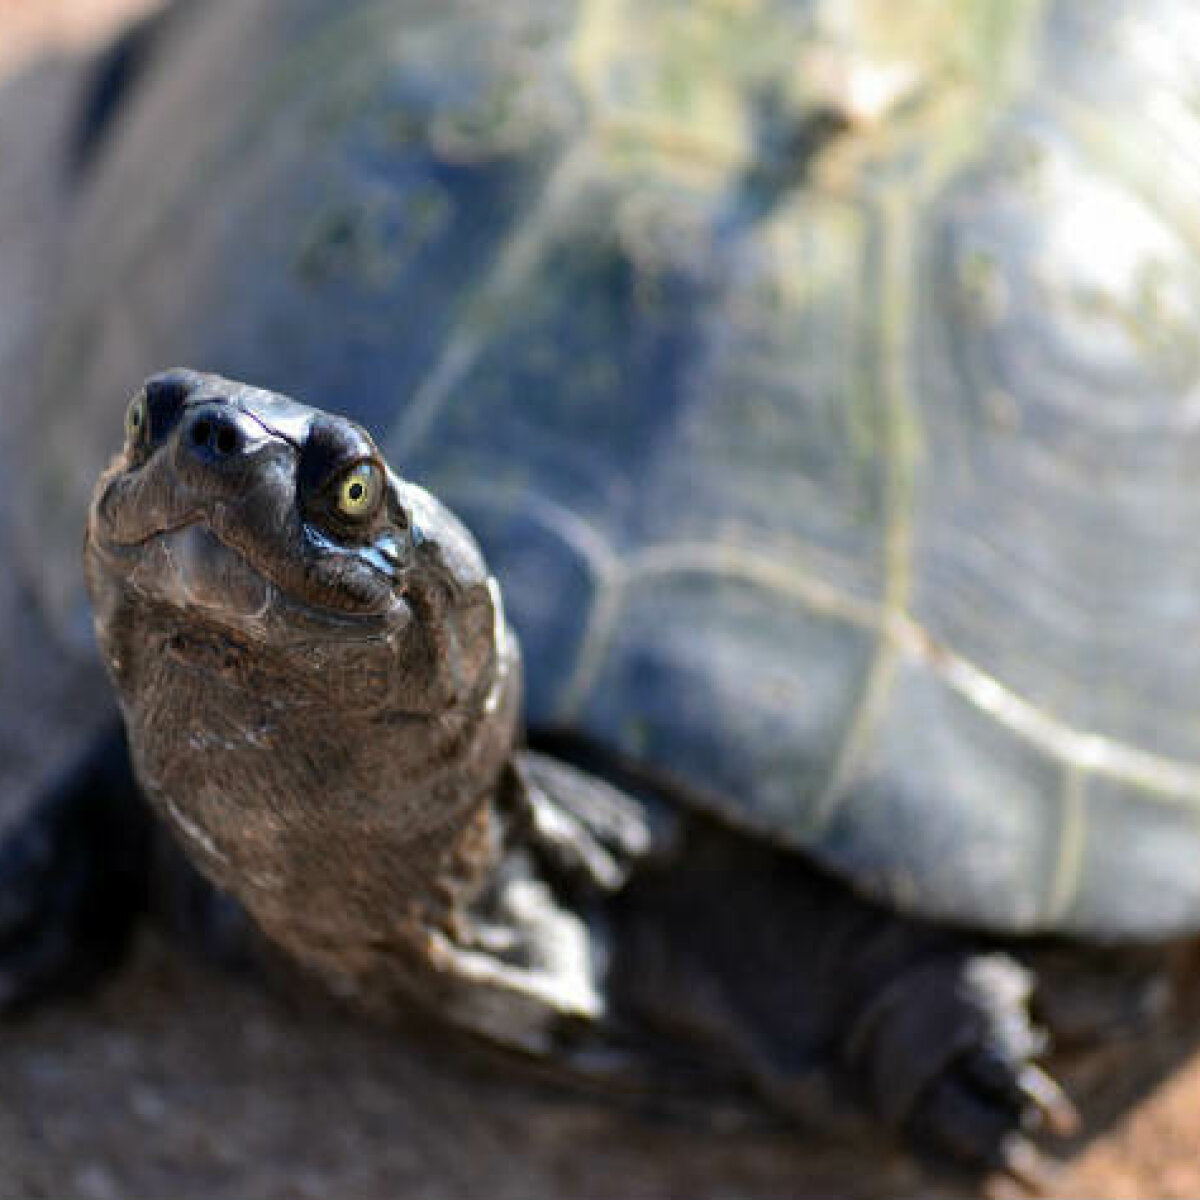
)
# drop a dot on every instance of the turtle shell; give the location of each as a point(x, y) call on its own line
point(820, 380)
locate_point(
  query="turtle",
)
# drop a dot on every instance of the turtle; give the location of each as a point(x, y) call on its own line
point(321, 694)
point(815, 382)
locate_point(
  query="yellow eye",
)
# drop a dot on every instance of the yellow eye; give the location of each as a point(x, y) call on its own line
point(360, 490)
point(137, 419)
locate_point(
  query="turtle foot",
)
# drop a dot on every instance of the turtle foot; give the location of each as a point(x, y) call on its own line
point(72, 880)
point(948, 1054)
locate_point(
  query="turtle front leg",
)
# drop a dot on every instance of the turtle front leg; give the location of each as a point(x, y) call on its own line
point(610, 925)
point(525, 962)
point(841, 1012)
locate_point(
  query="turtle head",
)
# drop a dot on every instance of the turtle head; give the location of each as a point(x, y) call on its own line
point(311, 656)
point(237, 518)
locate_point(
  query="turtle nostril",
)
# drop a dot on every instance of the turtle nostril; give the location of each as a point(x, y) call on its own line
point(213, 436)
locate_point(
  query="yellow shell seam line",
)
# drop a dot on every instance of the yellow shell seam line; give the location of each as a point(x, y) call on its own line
point(900, 418)
point(518, 258)
point(1162, 779)
point(1064, 872)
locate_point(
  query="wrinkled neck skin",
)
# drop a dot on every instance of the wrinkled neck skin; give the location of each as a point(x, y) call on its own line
point(329, 809)
point(336, 772)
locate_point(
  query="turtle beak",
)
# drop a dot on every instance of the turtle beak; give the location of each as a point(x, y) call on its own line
point(192, 568)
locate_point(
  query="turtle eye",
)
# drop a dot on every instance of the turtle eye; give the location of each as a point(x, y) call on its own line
point(137, 422)
point(359, 490)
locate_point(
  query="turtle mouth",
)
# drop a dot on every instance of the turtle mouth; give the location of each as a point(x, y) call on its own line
point(190, 567)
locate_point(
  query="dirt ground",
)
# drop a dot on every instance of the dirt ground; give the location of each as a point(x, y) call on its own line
point(177, 1081)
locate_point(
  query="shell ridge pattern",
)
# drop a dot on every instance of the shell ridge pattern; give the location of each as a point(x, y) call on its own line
point(515, 262)
point(1161, 778)
point(601, 622)
point(567, 524)
point(899, 421)
point(603, 566)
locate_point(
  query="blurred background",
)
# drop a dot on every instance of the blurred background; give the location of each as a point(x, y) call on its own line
point(175, 1080)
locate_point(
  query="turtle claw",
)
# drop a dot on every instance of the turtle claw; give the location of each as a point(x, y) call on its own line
point(588, 830)
point(1020, 1161)
point(949, 1049)
point(1040, 1094)
point(1039, 1099)
point(970, 1128)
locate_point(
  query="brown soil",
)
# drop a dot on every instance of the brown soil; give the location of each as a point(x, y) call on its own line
point(177, 1081)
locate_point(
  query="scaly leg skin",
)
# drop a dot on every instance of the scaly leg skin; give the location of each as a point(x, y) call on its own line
point(837, 1008)
point(523, 963)
point(73, 880)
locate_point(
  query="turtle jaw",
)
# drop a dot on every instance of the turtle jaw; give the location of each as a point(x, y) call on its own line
point(190, 568)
